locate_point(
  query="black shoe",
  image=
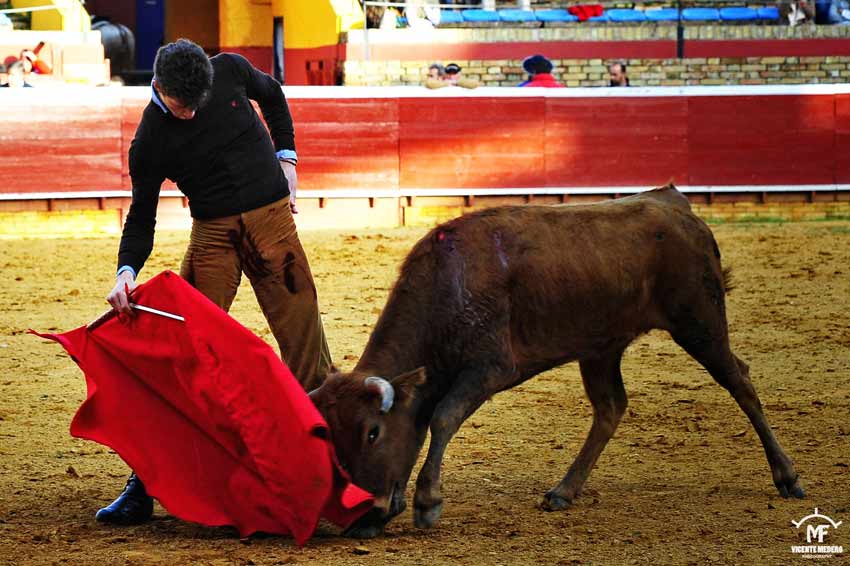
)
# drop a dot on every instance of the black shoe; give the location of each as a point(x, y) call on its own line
point(133, 507)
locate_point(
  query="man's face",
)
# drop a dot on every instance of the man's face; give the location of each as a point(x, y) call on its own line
point(433, 73)
point(616, 74)
point(177, 108)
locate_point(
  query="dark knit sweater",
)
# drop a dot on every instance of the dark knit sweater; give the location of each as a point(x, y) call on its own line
point(222, 159)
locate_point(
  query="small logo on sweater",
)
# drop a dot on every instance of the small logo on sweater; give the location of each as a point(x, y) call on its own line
point(233, 103)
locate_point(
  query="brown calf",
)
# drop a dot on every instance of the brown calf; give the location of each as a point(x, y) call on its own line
point(493, 298)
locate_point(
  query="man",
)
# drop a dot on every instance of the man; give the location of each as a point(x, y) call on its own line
point(436, 72)
point(16, 76)
point(539, 70)
point(617, 74)
point(450, 77)
point(201, 131)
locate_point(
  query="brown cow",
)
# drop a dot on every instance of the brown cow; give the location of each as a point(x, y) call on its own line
point(491, 299)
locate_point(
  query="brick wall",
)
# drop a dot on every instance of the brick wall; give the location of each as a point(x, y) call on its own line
point(649, 72)
point(593, 72)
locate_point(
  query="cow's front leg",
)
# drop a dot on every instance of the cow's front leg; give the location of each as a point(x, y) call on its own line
point(470, 390)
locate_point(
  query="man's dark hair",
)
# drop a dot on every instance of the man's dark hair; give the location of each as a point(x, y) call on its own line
point(183, 71)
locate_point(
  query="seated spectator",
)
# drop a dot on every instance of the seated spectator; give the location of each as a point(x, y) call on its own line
point(15, 76)
point(539, 70)
point(839, 12)
point(423, 16)
point(617, 74)
point(32, 62)
point(451, 77)
point(436, 71)
point(796, 12)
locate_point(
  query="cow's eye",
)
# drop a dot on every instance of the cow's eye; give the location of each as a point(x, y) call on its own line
point(373, 434)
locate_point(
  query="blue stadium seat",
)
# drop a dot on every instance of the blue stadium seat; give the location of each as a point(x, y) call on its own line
point(700, 14)
point(621, 15)
point(602, 18)
point(662, 14)
point(559, 15)
point(515, 16)
point(738, 14)
point(450, 17)
point(770, 13)
point(481, 16)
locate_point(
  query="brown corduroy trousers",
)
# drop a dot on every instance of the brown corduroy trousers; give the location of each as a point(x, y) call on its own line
point(263, 243)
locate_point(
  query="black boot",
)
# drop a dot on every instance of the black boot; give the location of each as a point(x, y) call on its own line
point(133, 507)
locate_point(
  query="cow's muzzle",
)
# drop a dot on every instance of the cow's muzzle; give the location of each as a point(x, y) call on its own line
point(373, 522)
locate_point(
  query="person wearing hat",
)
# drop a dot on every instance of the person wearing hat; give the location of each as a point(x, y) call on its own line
point(539, 70)
point(451, 77)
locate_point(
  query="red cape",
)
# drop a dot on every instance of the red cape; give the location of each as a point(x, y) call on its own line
point(209, 417)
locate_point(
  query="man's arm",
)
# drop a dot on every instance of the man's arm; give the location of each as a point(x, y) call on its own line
point(267, 92)
point(137, 237)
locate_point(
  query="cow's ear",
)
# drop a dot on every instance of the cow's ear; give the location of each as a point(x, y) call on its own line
point(406, 384)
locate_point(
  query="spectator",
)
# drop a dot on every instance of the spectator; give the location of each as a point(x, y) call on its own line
point(839, 12)
point(34, 62)
point(436, 71)
point(617, 74)
point(539, 70)
point(15, 76)
point(796, 12)
point(451, 77)
point(425, 14)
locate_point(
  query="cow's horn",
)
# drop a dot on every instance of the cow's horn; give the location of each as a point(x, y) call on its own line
point(387, 393)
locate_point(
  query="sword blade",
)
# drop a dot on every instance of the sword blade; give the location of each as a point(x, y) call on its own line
point(157, 311)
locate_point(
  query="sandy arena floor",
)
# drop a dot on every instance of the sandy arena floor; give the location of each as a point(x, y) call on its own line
point(684, 481)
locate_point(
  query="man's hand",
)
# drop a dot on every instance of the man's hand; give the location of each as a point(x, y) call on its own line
point(292, 178)
point(118, 297)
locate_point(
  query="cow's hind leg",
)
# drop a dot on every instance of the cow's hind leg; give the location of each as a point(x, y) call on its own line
point(711, 349)
point(603, 384)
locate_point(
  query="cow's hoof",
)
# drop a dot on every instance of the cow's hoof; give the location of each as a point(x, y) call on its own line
point(427, 518)
point(369, 525)
point(364, 531)
point(793, 489)
point(553, 502)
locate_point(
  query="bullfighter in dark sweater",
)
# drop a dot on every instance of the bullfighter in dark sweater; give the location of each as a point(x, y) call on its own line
point(201, 131)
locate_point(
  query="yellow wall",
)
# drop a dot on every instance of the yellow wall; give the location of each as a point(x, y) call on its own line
point(315, 23)
point(245, 23)
point(69, 15)
point(193, 19)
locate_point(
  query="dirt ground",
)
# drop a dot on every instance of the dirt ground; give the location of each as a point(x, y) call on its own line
point(684, 481)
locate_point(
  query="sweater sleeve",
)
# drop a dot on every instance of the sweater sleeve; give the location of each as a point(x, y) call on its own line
point(267, 92)
point(147, 177)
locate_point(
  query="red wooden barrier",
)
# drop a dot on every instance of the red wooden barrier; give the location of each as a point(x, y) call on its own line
point(53, 142)
point(842, 138)
point(347, 143)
